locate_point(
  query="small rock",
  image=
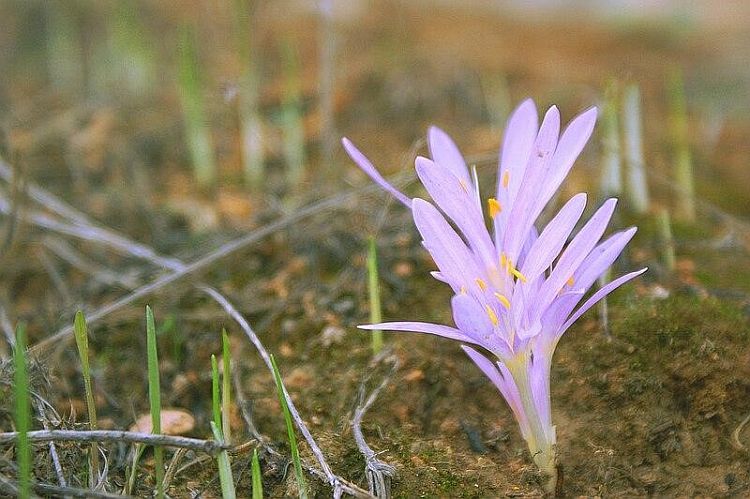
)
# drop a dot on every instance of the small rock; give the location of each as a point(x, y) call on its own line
point(332, 335)
point(173, 422)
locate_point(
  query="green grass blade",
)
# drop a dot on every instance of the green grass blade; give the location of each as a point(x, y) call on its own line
point(215, 395)
point(226, 387)
point(82, 342)
point(290, 432)
point(257, 481)
point(225, 467)
point(23, 412)
point(154, 397)
point(374, 288)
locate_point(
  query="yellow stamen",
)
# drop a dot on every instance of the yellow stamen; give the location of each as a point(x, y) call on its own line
point(482, 285)
point(503, 261)
point(463, 290)
point(506, 178)
point(516, 273)
point(570, 281)
point(491, 315)
point(463, 185)
point(494, 207)
point(503, 300)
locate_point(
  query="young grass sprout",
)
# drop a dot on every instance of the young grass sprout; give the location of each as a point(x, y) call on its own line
point(374, 288)
point(218, 401)
point(154, 397)
point(301, 483)
point(23, 412)
point(257, 480)
point(82, 342)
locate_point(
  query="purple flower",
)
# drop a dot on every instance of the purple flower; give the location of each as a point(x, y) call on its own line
point(516, 290)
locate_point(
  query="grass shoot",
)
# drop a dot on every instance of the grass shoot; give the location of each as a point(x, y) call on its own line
point(301, 482)
point(23, 412)
point(154, 397)
point(376, 315)
point(82, 342)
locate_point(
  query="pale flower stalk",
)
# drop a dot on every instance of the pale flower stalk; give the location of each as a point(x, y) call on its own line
point(516, 290)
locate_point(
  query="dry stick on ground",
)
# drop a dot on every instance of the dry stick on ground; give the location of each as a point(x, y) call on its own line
point(335, 482)
point(210, 447)
point(40, 409)
point(378, 472)
point(9, 487)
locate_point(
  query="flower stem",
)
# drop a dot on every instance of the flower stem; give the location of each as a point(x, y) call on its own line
point(541, 440)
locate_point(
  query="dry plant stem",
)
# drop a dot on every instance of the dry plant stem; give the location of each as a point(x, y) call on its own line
point(64, 251)
point(378, 472)
point(206, 261)
point(210, 447)
point(52, 447)
point(335, 482)
point(7, 486)
point(736, 443)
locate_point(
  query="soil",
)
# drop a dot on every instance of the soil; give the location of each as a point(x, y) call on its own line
point(651, 407)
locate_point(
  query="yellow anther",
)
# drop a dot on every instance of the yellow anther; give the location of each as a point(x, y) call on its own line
point(503, 261)
point(463, 185)
point(491, 314)
point(482, 285)
point(570, 281)
point(494, 207)
point(503, 300)
point(506, 178)
point(511, 269)
point(516, 273)
point(463, 290)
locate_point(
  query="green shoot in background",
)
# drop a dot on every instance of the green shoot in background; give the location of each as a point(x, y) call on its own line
point(666, 241)
point(196, 126)
point(257, 481)
point(226, 387)
point(683, 162)
point(154, 398)
point(290, 432)
point(23, 412)
point(374, 292)
point(291, 118)
point(611, 180)
point(251, 125)
point(82, 342)
point(632, 128)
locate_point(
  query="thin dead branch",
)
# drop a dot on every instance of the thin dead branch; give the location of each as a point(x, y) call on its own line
point(210, 447)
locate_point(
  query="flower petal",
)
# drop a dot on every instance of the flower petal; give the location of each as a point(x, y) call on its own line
point(471, 318)
point(452, 256)
point(446, 154)
point(576, 252)
point(524, 212)
point(601, 293)
point(520, 134)
point(373, 173)
point(455, 199)
point(504, 383)
point(571, 143)
point(422, 327)
point(552, 239)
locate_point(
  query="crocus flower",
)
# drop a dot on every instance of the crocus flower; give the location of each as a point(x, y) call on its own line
point(516, 290)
